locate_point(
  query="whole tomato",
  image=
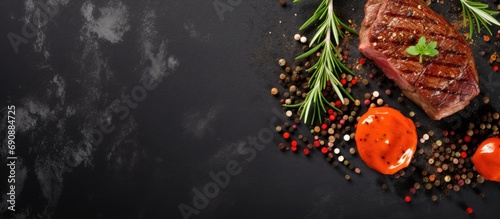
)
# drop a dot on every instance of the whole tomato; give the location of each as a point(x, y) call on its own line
point(486, 159)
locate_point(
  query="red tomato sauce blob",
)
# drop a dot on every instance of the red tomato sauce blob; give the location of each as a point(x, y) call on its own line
point(486, 159)
point(386, 140)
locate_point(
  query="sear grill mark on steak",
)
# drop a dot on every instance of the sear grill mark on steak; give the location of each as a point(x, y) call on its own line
point(447, 64)
point(444, 77)
point(450, 51)
point(412, 17)
point(440, 85)
point(452, 38)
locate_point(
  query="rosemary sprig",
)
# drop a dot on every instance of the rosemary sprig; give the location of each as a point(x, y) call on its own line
point(480, 14)
point(328, 67)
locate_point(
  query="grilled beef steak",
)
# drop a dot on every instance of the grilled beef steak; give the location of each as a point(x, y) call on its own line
point(441, 85)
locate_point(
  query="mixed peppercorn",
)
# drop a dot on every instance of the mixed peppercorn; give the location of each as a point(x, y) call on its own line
point(442, 163)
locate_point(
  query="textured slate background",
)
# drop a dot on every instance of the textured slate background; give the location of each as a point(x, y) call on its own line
point(213, 73)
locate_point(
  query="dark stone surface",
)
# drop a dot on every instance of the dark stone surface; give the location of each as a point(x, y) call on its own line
point(213, 78)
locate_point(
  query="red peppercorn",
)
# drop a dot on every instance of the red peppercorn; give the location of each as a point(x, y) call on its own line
point(316, 143)
point(294, 143)
point(330, 111)
point(338, 103)
point(306, 151)
point(413, 191)
point(354, 81)
point(343, 81)
point(328, 83)
point(294, 149)
point(469, 210)
point(362, 61)
point(324, 126)
point(297, 121)
point(324, 150)
point(467, 138)
point(407, 199)
point(286, 135)
point(332, 118)
point(463, 154)
point(495, 68)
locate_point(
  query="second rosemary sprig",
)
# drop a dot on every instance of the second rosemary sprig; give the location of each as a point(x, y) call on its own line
point(478, 13)
point(329, 66)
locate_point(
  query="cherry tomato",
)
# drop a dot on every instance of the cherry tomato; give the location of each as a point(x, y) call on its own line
point(486, 159)
point(386, 140)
